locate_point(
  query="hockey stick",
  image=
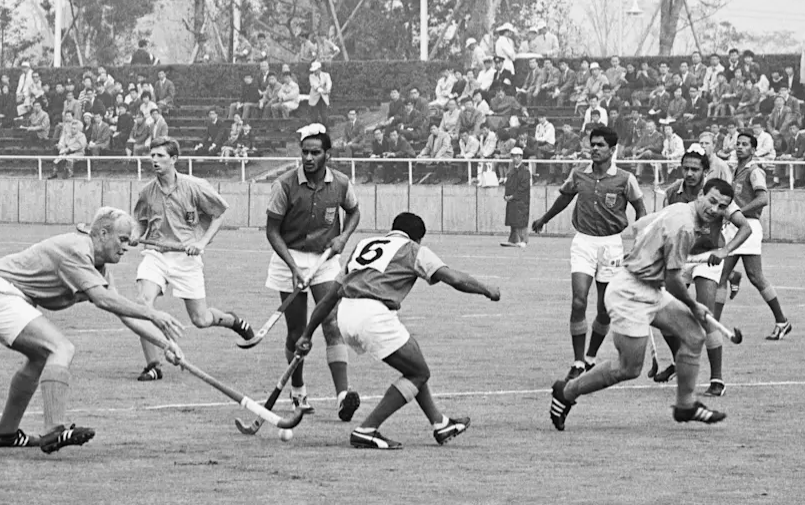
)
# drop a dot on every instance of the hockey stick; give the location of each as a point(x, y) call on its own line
point(655, 366)
point(272, 399)
point(736, 336)
point(285, 303)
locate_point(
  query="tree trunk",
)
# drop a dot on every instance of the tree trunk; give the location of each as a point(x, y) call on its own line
point(482, 20)
point(669, 16)
point(199, 14)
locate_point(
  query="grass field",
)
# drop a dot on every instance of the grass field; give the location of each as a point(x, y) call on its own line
point(174, 441)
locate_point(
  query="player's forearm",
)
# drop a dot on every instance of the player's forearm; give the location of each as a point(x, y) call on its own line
point(760, 201)
point(112, 302)
point(279, 246)
point(461, 281)
point(639, 208)
point(558, 206)
point(744, 231)
point(323, 309)
point(675, 284)
point(215, 225)
point(351, 221)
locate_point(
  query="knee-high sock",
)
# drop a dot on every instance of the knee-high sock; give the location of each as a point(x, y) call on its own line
point(578, 335)
point(298, 376)
point(769, 295)
point(55, 383)
point(22, 389)
point(338, 360)
point(714, 356)
point(600, 377)
point(597, 337)
point(687, 371)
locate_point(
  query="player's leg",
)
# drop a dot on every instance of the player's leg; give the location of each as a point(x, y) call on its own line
point(609, 257)
point(41, 342)
point(580, 283)
point(631, 354)
point(147, 293)
point(754, 272)
point(295, 321)
point(721, 294)
point(706, 289)
point(600, 326)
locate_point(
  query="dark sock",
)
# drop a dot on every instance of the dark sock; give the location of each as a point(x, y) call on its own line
point(338, 370)
point(596, 339)
point(719, 308)
point(714, 356)
point(391, 402)
point(774, 305)
point(578, 346)
point(428, 406)
point(673, 344)
point(297, 379)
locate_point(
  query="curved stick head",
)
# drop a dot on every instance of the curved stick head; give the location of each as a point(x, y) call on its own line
point(250, 429)
point(654, 369)
point(293, 420)
point(737, 336)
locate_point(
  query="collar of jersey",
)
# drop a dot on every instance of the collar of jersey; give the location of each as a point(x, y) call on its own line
point(398, 233)
point(300, 174)
point(612, 170)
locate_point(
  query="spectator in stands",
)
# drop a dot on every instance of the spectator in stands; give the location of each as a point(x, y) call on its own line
point(249, 98)
point(8, 106)
point(138, 143)
point(106, 80)
point(351, 145)
point(211, 143)
point(719, 97)
point(794, 150)
point(147, 106)
point(504, 47)
point(649, 146)
point(791, 102)
point(71, 105)
point(469, 145)
point(647, 79)
point(377, 170)
point(470, 119)
point(328, 49)
point(531, 87)
point(609, 101)
point(395, 109)
point(503, 106)
point(269, 95)
point(550, 80)
point(545, 136)
point(748, 101)
point(243, 54)
point(629, 84)
point(420, 104)
point(100, 136)
point(449, 123)
point(664, 76)
point(24, 87)
point(93, 105)
point(695, 116)
point(476, 54)
point(480, 104)
point(678, 106)
point(142, 56)
point(412, 125)
point(765, 149)
point(672, 148)
point(582, 75)
point(143, 86)
point(545, 43)
point(779, 120)
point(245, 143)
point(106, 98)
point(320, 86)
point(504, 78)
point(518, 200)
point(530, 35)
point(489, 143)
point(231, 143)
point(260, 48)
point(288, 97)
point(56, 102)
point(595, 122)
point(263, 74)
point(71, 146)
point(122, 130)
point(37, 90)
point(486, 76)
point(728, 142)
point(697, 69)
point(711, 76)
point(87, 87)
point(564, 87)
point(159, 128)
point(594, 106)
point(471, 86)
point(37, 126)
point(164, 93)
point(438, 146)
point(308, 49)
point(615, 74)
point(749, 66)
point(658, 103)
point(444, 89)
point(506, 142)
point(686, 78)
point(133, 99)
point(396, 146)
point(621, 123)
point(793, 83)
point(527, 143)
point(568, 146)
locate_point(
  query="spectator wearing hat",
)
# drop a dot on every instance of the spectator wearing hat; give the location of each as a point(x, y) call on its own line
point(518, 200)
point(544, 43)
point(596, 81)
point(503, 78)
point(504, 46)
point(164, 93)
point(72, 144)
point(476, 54)
point(249, 98)
point(525, 44)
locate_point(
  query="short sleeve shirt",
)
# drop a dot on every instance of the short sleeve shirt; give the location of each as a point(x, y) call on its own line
point(601, 206)
point(309, 214)
point(747, 182)
point(183, 214)
point(386, 268)
point(709, 235)
point(56, 272)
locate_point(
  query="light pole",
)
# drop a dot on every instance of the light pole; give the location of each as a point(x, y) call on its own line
point(634, 11)
point(423, 30)
point(59, 21)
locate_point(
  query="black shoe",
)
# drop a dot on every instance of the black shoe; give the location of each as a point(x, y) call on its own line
point(698, 413)
point(454, 428)
point(588, 365)
point(666, 375)
point(348, 405)
point(780, 330)
point(150, 373)
point(372, 440)
point(735, 285)
point(245, 331)
point(574, 372)
point(560, 407)
point(18, 439)
point(717, 388)
point(61, 437)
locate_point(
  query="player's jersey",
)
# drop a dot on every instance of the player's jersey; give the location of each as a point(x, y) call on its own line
point(386, 268)
point(55, 272)
point(710, 235)
point(748, 181)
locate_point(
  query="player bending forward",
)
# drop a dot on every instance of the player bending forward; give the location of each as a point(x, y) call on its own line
point(379, 275)
point(174, 207)
point(636, 299)
point(56, 274)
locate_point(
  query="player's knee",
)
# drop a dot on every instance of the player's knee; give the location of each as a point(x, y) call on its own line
point(201, 319)
point(757, 279)
point(579, 304)
point(629, 371)
point(61, 352)
point(419, 377)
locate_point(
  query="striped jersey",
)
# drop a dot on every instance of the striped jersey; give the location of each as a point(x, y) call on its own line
point(386, 268)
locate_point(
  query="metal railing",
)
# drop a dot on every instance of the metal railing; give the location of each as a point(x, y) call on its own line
point(356, 163)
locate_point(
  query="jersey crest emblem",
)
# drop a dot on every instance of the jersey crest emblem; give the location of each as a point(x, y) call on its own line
point(611, 200)
point(329, 215)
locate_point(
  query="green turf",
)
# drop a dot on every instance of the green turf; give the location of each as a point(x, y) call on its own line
point(175, 441)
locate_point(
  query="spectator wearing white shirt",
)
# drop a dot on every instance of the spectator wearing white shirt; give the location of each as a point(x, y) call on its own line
point(711, 75)
point(545, 135)
point(765, 149)
point(486, 76)
point(593, 99)
point(477, 55)
point(444, 87)
point(480, 104)
point(672, 147)
point(504, 46)
point(545, 43)
point(469, 148)
point(489, 144)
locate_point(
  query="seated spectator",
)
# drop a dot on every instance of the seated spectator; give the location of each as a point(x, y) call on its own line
point(396, 106)
point(503, 106)
point(711, 76)
point(270, 95)
point(727, 151)
point(658, 103)
point(564, 87)
point(470, 87)
point(527, 143)
point(396, 146)
point(621, 123)
point(506, 143)
point(71, 146)
point(438, 146)
point(609, 101)
point(531, 87)
point(489, 143)
point(164, 93)
point(143, 86)
point(213, 136)
point(792, 103)
point(594, 106)
point(444, 89)
point(351, 145)
point(480, 104)
point(648, 147)
point(449, 123)
point(779, 120)
point(133, 99)
point(122, 129)
point(8, 106)
point(245, 144)
point(615, 74)
point(765, 149)
point(412, 125)
point(106, 98)
point(92, 104)
point(469, 146)
point(595, 122)
point(695, 116)
point(568, 146)
point(138, 143)
point(45, 97)
point(794, 150)
point(676, 82)
point(87, 87)
point(593, 86)
point(376, 170)
point(672, 149)
point(260, 48)
point(100, 136)
point(486, 76)
point(420, 104)
point(37, 126)
point(646, 80)
point(287, 98)
point(147, 107)
point(231, 143)
point(748, 101)
point(793, 83)
point(720, 97)
point(582, 74)
point(677, 106)
point(249, 98)
point(470, 119)
point(159, 128)
point(545, 136)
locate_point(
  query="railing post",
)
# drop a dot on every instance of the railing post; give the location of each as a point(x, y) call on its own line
point(40, 168)
point(410, 173)
point(89, 168)
point(139, 168)
point(469, 173)
point(352, 162)
point(243, 170)
point(190, 166)
point(792, 167)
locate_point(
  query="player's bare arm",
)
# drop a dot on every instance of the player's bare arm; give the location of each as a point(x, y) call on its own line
point(281, 248)
point(558, 206)
point(639, 208)
point(744, 231)
point(761, 200)
point(197, 248)
point(466, 283)
point(676, 285)
point(323, 309)
point(351, 219)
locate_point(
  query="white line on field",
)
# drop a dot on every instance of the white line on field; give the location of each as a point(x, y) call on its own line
point(457, 394)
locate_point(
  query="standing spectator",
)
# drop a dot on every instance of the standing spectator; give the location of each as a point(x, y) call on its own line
point(545, 43)
point(164, 93)
point(470, 118)
point(486, 76)
point(138, 143)
point(24, 87)
point(352, 143)
point(444, 88)
point(38, 126)
point(142, 56)
point(159, 128)
point(260, 48)
point(249, 98)
point(518, 200)
point(270, 95)
point(71, 146)
point(476, 54)
point(504, 46)
point(211, 143)
point(287, 98)
point(504, 78)
point(319, 101)
point(244, 49)
point(308, 50)
point(100, 136)
point(328, 50)
point(686, 78)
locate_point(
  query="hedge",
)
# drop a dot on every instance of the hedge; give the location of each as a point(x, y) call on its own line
point(352, 81)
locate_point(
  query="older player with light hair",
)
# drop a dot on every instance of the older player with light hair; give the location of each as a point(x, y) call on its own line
point(55, 274)
point(379, 274)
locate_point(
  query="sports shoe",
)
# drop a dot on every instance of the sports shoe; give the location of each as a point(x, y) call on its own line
point(508, 244)
point(300, 402)
point(348, 405)
point(560, 407)
point(717, 388)
point(780, 330)
point(18, 439)
point(735, 284)
point(150, 373)
point(698, 413)
point(666, 375)
point(245, 331)
point(454, 428)
point(372, 440)
point(574, 372)
point(588, 365)
point(60, 437)
point(521, 245)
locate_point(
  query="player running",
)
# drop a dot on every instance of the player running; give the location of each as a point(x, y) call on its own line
point(174, 207)
point(650, 290)
point(56, 274)
point(302, 221)
point(751, 196)
point(597, 249)
point(379, 275)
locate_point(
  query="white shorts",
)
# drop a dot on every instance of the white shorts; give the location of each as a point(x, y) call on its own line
point(632, 304)
point(598, 257)
point(184, 273)
point(15, 312)
point(752, 246)
point(280, 278)
point(693, 271)
point(369, 326)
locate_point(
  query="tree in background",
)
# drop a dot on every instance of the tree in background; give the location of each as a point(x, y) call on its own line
point(14, 37)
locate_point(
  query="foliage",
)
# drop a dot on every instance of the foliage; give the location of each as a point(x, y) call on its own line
point(14, 37)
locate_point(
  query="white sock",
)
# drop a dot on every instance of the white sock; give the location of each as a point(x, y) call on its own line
point(578, 364)
point(340, 398)
point(299, 391)
point(590, 360)
point(442, 424)
point(361, 429)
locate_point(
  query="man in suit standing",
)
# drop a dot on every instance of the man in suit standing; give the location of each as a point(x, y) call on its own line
point(164, 92)
point(319, 100)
